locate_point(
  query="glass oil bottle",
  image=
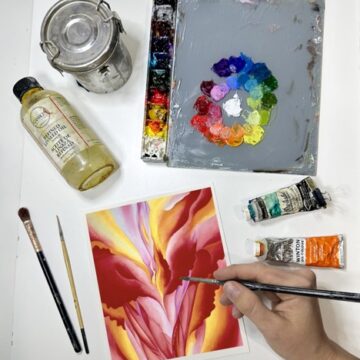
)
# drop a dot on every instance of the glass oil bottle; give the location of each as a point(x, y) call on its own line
point(74, 149)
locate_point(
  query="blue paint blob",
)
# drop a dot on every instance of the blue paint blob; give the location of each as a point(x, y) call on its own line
point(248, 63)
point(236, 64)
point(242, 79)
point(250, 85)
point(260, 72)
point(160, 60)
point(233, 82)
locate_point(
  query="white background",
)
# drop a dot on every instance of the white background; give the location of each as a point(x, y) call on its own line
point(29, 179)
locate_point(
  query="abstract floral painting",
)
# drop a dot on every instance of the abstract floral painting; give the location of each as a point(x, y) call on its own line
point(140, 253)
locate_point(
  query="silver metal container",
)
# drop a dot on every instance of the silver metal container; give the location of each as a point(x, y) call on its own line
point(83, 38)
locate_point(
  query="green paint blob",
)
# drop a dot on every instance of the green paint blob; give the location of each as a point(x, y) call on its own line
point(268, 101)
point(271, 83)
point(257, 92)
point(253, 103)
point(264, 117)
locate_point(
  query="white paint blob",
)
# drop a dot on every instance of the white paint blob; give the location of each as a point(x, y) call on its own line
point(233, 107)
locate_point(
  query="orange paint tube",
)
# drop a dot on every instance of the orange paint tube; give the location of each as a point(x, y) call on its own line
point(323, 251)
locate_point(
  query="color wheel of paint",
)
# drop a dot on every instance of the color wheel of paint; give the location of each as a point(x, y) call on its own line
point(243, 74)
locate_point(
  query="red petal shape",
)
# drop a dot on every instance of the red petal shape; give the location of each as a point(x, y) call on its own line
point(120, 281)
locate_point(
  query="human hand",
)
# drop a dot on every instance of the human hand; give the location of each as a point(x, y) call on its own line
point(293, 326)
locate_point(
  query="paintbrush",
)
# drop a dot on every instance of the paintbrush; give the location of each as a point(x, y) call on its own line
point(255, 286)
point(72, 286)
point(25, 218)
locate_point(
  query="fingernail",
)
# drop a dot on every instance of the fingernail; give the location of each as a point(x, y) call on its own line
point(231, 290)
point(236, 313)
point(216, 272)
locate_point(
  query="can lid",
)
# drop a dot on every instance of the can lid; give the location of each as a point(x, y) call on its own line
point(79, 35)
point(24, 85)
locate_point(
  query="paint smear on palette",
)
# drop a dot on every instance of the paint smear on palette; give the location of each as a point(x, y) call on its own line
point(140, 252)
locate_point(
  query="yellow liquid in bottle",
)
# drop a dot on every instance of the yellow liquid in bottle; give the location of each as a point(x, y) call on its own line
point(74, 149)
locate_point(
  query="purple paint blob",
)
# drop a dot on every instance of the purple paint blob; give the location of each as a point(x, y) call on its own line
point(222, 68)
point(219, 91)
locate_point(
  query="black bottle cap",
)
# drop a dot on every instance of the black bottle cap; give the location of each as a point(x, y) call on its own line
point(24, 85)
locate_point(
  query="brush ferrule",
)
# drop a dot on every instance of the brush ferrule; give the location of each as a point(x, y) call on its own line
point(29, 227)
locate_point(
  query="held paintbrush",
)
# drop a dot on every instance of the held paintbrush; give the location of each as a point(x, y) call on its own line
point(72, 286)
point(25, 218)
point(317, 293)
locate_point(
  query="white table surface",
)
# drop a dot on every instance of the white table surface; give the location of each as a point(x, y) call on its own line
point(37, 330)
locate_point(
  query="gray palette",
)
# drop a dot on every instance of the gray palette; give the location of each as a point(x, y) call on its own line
point(287, 36)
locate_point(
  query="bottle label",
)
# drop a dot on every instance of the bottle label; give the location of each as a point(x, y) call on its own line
point(58, 129)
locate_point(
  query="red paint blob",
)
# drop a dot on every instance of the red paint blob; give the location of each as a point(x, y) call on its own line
point(199, 122)
point(159, 98)
point(202, 105)
point(206, 87)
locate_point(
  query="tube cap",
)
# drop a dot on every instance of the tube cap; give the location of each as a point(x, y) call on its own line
point(257, 249)
point(24, 85)
point(247, 214)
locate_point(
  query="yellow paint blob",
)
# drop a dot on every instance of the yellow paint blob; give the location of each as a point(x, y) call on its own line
point(254, 118)
point(253, 134)
point(157, 113)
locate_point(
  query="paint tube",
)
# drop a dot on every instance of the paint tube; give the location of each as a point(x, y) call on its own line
point(324, 251)
point(301, 197)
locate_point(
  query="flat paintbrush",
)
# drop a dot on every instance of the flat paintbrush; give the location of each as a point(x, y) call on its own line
point(255, 286)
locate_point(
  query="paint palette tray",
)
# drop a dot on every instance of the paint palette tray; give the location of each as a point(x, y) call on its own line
point(157, 103)
point(283, 39)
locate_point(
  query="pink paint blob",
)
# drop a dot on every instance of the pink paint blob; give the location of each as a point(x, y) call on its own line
point(218, 92)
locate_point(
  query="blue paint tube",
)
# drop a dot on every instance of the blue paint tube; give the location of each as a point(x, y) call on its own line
point(301, 197)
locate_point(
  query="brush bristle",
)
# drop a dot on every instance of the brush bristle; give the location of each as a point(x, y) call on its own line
point(24, 214)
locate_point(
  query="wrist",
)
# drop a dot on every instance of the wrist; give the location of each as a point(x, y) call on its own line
point(328, 351)
point(332, 351)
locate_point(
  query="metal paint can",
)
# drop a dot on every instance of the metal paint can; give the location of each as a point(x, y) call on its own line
point(84, 38)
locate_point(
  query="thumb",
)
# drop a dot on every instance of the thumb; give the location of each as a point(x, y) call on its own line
point(249, 304)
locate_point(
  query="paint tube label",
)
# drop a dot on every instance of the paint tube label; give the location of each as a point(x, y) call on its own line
point(290, 200)
point(58, 129)
point(286, 250)
point(321, 251)
point(299, 251)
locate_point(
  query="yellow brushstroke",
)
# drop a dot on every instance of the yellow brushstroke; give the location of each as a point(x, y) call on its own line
point(156, 211)
point(105, 225)
point(122, 340)
point(190, 343)
point(118, 313)
point(215, 324)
